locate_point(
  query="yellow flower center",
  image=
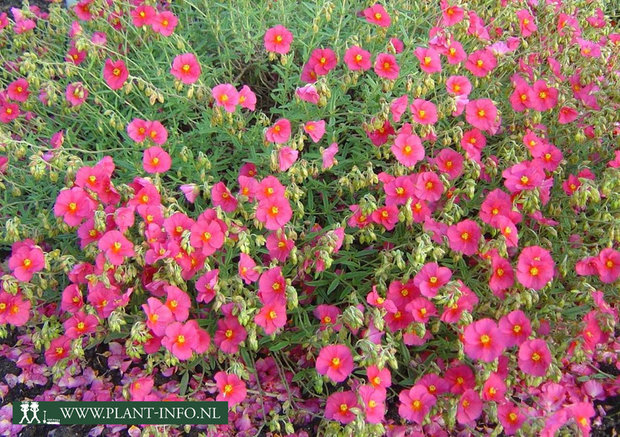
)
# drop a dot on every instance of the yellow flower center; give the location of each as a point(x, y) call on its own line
point(181, 339)
point(481, 113)
point(186, 68)
point(116, 247)
point(485, 339)
point(80, 326)
point(228, 333)
point(72, 206)
point(535, 356)
point(27, 262)
point(534, 271)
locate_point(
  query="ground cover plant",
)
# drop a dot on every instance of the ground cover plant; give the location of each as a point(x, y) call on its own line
point(342, 217)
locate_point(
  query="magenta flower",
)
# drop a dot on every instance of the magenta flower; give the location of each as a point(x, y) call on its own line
point(339, 405)
point(458, 86)
point(376, 14)
point(164, 23)
point(398, 107)
point(14, 310)
point(59, 349)
point(279, 246)
point(608, 265)
point(483, 340)
point(76, 93)
point(80, 324)
point(158, 316)
point(429, 60)
point(156, 160)
point(450, 162)
point(464, 237)
point(269, 188)
point(274, 212)
point(415, 403)
point(386, 66)
point(373, 401)
point(328, 314)
point(18, 90)
point(25, 261)
point(481, 62)
point(207, 235)
point(180, 339)
point(226, 95)
point(247, 98)
point(424, 112)
point(515, 328)
point(335, 361)
point(141, 388)
point(386, 216)
point(408, 149)
point(229, 334)
point(534, 357)
point(247, 269)
point(328, 154)
point(357, 59)
point(481, 114)
point(280, 132)
point(186, 68)
point(322, 61)
point(278, 39)
point(510, 417)
point(316, 130)
point(271, 317)
point(231, 388)
point(428, 186)
point(205, 286)
point(431, 278)
point(116, 247)
point(379, 378)
point(222, 197)
point(535, 267)
point(469, 408)
point(178, 302)
point(143, 15)
point(115, 73)
point(526, 23)
point(502, 277)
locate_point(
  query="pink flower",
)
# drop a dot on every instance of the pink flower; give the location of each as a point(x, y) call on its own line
point(208, 235)
point(76, 93)
point(164, 23)
point(373, 401)
point(543, 97)
point(608, 265)
point(279, 246)
point(424, 112)
point(71, 300)
point(231, 388)
point(186, 68)
point(473, 142)
point(271, 317)
point(567, 115)
point(116, 247)
point(308, 94)
point(379, 378)
point(521, 97)
point(481, 114)
point(526, 23)
point(357, 59)
point(515, 328)
point(582, 412)
point(415, 403)
point(398, 107)
point(376, 14)
point(190, 191)
point(18, 90)
point(450, 162)
point(269, 188)
point(455, 53)
point(327, 315)
point(464, 237)
point(180, 339)
point(469, 408)
point(328, 156)
point(58, 350)
point(494, 388)
point(206, 285)
point(156, 160)
point(272, 286)
point(408, 149)
point(158, 316)
point(458, 86)
point(247, 98)
point(339, 405)
point(534, 357)
point(386, 66)
point(510, 417)
point(386, 216)
point(227, 96)
point(247, 269)
point(429, 60)
point(286, 158)
point(80, 324)
point(398, 191)
point(143, 15)
point(431, 278)
point(222, 197)
point(508, 229)
point(136, 129)
point(280, 132)
point(8, 112)
point(178, 302)
point(14, 310)
point(274, 212)
point(502, 277)
point(278, 39)
point(316, 130)
point(460, 378)
point(451, 14)
point(73, 206)
point(115, 73)
point(481, 62)
point(322, 61)
point(535, 267)
point(335, 361)
point(428, 186)
point(483, 340)
point(229, 334)
point(141, 388)
point(156, 132)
